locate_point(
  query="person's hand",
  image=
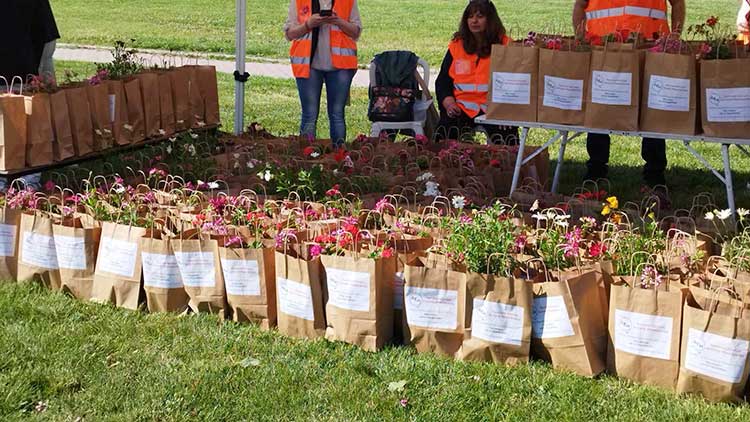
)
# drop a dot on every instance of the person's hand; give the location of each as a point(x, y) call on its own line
point(334, 19)
point(451, 107)
point(315, 21)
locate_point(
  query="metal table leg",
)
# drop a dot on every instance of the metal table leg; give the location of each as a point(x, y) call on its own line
point(728, 179)
point(519, 159)
point(560, 160)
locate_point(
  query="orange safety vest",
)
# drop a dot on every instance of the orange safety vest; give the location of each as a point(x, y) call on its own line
point(343, 48)
point(470, 74)
point(646, 17)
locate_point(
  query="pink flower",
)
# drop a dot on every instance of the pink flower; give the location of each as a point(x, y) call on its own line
point(387, 253)
point(381, 204)
point(334, 191)
point(597, 250)
point(315, 250)
point(421, 139)
point(50, 186)
point(404, 402)
point(234, 241)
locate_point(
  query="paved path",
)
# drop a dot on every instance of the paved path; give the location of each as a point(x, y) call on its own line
point(277, 69)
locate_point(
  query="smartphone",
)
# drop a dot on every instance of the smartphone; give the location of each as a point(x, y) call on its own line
point(327, 12)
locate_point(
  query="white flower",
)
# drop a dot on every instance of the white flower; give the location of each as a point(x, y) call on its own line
point(539, 216)
point(348, 162)
point(162, 132)
point(250, 164)
point(742, 212)
point(459, 202)
point(315, 154)
point(194, 135)
point(236, 164)
point(169, 149)
point(173, 139)
point(709, 216)
point(120, 189)
point(534, 206)
point(191, 150)
point(336, 172)
point(724, 214)
point(431, 189)
point(267, 176)
point(424, 177)
point(561, 223)
point(213, 185)
point(236, 155)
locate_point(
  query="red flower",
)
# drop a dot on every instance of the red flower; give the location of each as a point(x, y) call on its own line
point(340, 155)
point(387, 253)
point(712, 21)
point(495, 163)
point(308, 150)
point(597, 250)
point(334, 191)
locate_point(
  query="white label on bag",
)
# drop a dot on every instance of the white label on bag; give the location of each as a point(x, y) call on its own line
point(431, 308)
point(295, 299)
point(160, 270)
point(71, 252)
point(611, 88)
point(398, 291)
point(197, 268)
point(550, 318)
point(497, 322)
point(38, 250)
point(716, 356)
point(669, 94)
point(643, 335)
point(7, 240)
point(241, 277)
point(117, 257)
point(565, 94)
point(511, 88)
point(728, 104)
point(112, 107)
point(348, 289)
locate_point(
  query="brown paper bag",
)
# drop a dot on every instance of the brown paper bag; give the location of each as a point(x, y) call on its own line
point(150, 95)
point(162, 281)
point(563, 76)
point(568, 327)
point(197, 102)
point(401, 333)
point(250, 280)
point(180, 98)
point(359, 306)
point(714, 351)
point(80, 120)
point(13, 132)
point(118, 112)
point(299, 296)
point(37, 259)
point(10, 221)
point(434, 301)
point(513, 84)
point(135, 130)
point(613, 89)
point(210, 91)
point(669, 100)
point(62, 146)
point(725, 98)
point(100, 116)
point(198, 260)
point(166, 106)
point(498, 320)
point(76, 247)
point(118, 276)
point(644, 334)
point(39, 134)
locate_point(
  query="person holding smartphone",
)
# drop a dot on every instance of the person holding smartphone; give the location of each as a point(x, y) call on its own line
point(324, 36)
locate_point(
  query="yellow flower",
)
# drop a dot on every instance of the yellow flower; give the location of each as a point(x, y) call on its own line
point(617, 218)
point(613, 203)
point(606, 210)
point(652, 216)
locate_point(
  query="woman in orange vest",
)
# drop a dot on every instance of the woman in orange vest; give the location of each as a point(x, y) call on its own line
point(743, 22)
point(324, 37)
point(648, 18)
point(462, 83)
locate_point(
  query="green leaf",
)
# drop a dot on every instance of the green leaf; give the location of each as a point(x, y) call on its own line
point(249, 361)
point(397, 386)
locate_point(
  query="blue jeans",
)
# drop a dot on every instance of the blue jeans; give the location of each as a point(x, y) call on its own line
point(337, 83)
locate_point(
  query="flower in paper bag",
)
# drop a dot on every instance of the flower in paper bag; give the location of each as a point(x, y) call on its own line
point(495, 163)
point(334, 191)
point(712, 21)
point(724, 214)
point(597, 250)
point(49, 186)
point(459, 202)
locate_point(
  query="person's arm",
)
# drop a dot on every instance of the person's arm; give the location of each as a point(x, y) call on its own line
point(579, 17)
point(351, 29)
point(444, 87)
point(678, 15)
point(293, 29)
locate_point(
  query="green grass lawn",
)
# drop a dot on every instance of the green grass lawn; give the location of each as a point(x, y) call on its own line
point(422, 26)
point(102, 363)
point(275, 104)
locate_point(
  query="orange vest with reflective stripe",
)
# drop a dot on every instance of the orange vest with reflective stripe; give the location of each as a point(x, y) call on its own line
point(470, 74)
point(646, 17)
point(343, 48)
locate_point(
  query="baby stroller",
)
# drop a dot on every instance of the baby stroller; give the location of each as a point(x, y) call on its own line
point(399, 96)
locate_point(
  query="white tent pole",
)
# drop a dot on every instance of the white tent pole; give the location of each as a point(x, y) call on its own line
point(240, 76)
